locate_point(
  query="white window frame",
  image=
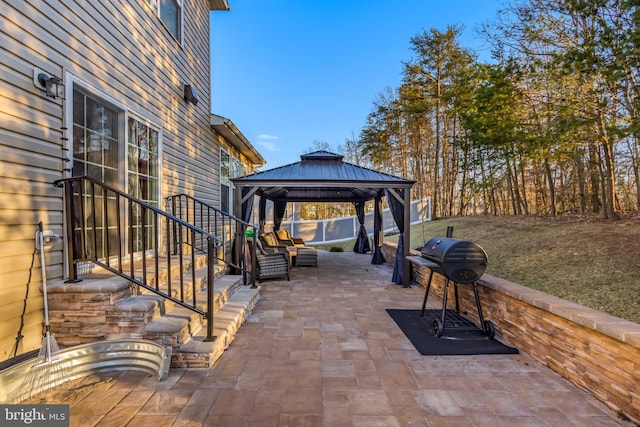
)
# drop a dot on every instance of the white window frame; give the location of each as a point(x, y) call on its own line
point(157, 128)
point(125, 112)
point(155, 6)
point(226, 181)
point(71, 82)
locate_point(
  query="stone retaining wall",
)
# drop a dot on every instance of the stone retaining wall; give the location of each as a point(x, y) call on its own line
point(597, 352)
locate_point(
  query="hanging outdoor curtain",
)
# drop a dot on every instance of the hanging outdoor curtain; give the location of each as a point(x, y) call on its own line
point(262, 212)
point(378, 258)
point(279, 207)
point(362, 242)
point(240, 249)
point(397, 211)
point(247, 205)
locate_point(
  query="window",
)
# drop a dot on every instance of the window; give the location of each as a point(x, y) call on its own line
point(95, 139)
point(170, 13)
point(238, 169)
point(142, 174)
point(225, 189)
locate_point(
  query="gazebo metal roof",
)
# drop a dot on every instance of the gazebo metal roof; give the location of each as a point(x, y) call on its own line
point(321, 176)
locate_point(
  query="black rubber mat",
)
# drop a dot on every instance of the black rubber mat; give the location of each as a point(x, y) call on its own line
point(460, 337)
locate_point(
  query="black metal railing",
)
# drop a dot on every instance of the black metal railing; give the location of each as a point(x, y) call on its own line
point(231, 231)
point(131, 238)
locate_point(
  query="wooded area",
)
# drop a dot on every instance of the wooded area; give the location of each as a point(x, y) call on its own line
point(549, 126)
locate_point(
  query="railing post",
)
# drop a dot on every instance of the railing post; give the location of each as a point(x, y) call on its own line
point(174, 212)
point(254, 262)
point(71, 241)
point(210, 274)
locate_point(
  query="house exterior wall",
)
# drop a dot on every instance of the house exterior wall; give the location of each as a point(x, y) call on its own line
point(119, 51)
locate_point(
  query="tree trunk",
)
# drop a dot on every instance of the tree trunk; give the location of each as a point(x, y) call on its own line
point(609, 170)
point(523, 188)
point(436, 171)
point(594, 177)
point(551, 187)
point(463, 183)
point(510, 189)
point(581, 183)
point(609, 180)
point(635, 165)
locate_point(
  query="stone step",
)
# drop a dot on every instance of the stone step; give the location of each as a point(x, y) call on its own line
point(180, 321)
point(198, 353)
point(105, 306)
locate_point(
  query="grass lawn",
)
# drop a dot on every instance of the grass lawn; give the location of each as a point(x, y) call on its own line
point(586, 260)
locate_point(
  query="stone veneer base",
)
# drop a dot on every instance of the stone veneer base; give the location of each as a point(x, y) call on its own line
point(597, 352)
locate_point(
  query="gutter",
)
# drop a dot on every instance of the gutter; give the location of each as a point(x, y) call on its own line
point(232, 134)
point(219, 5)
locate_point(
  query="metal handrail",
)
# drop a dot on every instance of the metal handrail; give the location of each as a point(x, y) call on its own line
point(95, 233)
point(218, 222)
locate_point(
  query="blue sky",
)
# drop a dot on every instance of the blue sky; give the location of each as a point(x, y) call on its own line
point(288, 73)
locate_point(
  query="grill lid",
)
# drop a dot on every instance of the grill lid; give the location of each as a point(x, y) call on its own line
point(459, 260)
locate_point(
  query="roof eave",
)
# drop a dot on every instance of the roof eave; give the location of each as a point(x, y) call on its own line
point(232, 134)
point(219, 5)
point(247, 181)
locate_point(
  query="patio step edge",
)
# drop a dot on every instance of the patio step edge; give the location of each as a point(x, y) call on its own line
point(195, 352)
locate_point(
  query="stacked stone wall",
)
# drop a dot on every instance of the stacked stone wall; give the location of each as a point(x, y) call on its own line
point(596, 351)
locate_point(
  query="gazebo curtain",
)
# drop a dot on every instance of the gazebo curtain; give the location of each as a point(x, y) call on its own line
point(397, 211)
point(378, 258)
point(262, 212)
point(247, 205)
point(279, 207)
point(362, 242)
point(241, 251)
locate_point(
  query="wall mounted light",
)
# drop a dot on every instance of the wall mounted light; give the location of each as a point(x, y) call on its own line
point(52, 85)
point(190, 94)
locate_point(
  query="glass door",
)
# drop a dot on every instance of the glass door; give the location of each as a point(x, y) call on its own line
point(96, 155)
point(99, 151)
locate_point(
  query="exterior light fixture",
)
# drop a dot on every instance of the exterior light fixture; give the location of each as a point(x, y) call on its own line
point(52, 85)
point(190, 94)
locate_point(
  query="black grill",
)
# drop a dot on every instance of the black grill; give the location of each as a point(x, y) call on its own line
point(459, 260)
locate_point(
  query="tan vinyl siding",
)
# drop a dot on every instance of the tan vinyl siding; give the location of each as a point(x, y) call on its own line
point(30, 159)
point(120, 50)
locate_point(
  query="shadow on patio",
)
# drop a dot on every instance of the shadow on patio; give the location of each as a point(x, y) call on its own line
point(320, 350)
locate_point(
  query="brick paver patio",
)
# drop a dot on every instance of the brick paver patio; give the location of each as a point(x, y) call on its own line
point(320, 350)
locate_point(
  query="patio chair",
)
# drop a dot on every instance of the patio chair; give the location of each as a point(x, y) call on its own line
point(271, 263)
point(270, 241)
point(285, 238)
point(301, 255)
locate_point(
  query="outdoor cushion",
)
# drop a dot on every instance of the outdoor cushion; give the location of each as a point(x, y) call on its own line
point(270, 242)
point(307, 257)
point(285, 238)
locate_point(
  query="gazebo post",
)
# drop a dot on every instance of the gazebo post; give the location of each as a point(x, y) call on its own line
point(406, 265)
point(237, 241)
